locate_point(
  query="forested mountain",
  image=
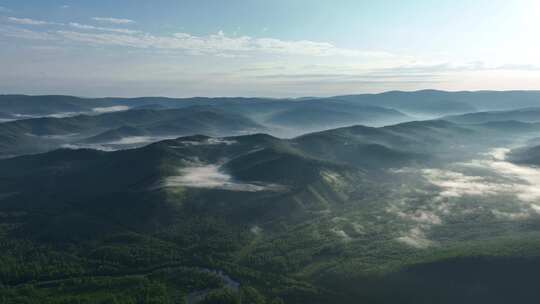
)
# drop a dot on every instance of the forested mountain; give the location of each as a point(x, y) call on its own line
point(340, 215)
point(523, 115)
point(120, 128)
point(434, 102)
point(424, 103)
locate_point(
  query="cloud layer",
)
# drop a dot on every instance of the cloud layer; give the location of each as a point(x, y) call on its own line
point(123, 58)
point(218, 43)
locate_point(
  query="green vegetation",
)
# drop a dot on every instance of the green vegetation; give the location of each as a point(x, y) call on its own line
point(349, 215)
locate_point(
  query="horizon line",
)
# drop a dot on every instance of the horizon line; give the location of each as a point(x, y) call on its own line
point(275, 98)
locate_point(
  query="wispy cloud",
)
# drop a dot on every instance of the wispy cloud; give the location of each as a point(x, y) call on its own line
point(104, 29)
point(218, 44)
point(113, 20)
point(28, 21)
point(5, 10)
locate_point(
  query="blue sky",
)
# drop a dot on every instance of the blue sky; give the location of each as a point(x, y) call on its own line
point(266, 48)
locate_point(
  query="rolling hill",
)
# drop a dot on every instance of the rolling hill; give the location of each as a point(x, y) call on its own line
point(309, 115)
point(439, 103)
point(40, 134)
point(324, 216)
point(521, 115)
point(430, 103)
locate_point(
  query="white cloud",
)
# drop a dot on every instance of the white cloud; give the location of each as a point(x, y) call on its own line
point(105, 29)
point(113, 20)
point(28, 21)
point(218, 44)
point(5, 10)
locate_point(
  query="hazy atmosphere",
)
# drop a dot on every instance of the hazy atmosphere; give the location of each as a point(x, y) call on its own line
point(266, 48)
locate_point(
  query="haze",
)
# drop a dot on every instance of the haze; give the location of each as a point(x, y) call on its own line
point(260, 48)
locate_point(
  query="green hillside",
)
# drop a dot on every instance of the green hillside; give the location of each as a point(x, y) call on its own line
point(315, 219)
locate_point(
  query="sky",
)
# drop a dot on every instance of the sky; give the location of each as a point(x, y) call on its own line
point(278, 48)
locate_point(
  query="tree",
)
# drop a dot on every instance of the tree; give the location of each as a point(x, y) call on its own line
point(250, 295)
point(222, 296)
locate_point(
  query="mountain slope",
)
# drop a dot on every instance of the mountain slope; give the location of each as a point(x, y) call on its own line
point(521, 115)
point(322, 218)
point(420, 103)
point(433, 102)
point(18, 136)
point(328, 114)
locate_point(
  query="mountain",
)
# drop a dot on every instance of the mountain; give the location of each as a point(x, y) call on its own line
point(391, 145)
point(116, 135)
point(522, 115)
point(331, 114)
point(430, 103)
point(5, 116)
point(338, 215)
point(43, 105)
point(40, 134)
point(264, 174)
point(526, 155)
point(438, 103)
point(416, 212)
point(496, 100)
point(90, 191)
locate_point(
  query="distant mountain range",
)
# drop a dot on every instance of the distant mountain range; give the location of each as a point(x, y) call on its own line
point(41, 123)
point(42, 134)
point(523, 115)
point(426, 102)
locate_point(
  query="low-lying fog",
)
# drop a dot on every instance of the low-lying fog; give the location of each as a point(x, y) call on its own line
point(129, 142)
point(94, 111)
point(210, 176)
point(487, 186)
